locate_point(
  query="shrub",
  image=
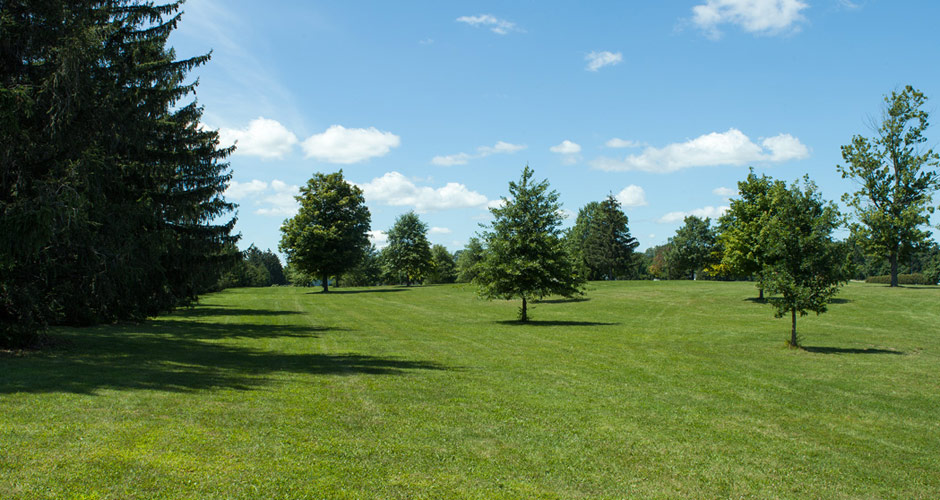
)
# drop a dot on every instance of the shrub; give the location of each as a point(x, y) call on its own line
point(903, 279)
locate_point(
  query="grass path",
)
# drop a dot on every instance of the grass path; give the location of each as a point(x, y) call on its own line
point(644, 390)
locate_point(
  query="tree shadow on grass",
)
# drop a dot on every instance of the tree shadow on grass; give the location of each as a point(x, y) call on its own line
point(222, 310)
point(847, 350)
point(554, 323)
point(562, 300)
point(757, 300)
point(179, 356)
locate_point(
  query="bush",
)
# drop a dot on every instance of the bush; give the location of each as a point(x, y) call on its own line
point(903, 279)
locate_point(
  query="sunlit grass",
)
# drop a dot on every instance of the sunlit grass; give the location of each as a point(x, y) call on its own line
point(645, 389)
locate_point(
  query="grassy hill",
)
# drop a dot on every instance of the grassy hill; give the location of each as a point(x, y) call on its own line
point(643, 390)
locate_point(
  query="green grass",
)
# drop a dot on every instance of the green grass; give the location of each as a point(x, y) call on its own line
point(644, 390)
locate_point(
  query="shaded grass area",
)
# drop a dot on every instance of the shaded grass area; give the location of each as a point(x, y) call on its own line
point(647, 389)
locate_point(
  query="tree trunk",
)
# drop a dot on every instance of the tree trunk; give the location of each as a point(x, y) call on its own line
point(793, 341)
point(893, 258)
point(524, 317)
point(760, 293)
point(326, 283)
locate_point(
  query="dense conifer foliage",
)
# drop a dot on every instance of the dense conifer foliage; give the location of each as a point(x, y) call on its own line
point(110, 188)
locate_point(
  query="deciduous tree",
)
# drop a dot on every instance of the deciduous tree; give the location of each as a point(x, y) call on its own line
point(330, 233)
point(803, 266)
point(692, 247)
point(443, 267)
point(525, 255)
point(408, 254)
point(896, 178)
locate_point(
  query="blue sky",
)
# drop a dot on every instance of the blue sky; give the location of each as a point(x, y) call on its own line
point(436, 106)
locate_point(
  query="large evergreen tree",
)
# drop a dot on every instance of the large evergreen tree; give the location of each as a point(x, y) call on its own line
point(330, 233)
point(897, 176)
point(692, 247)
point(111, 190)
point(408, 255)
point(525, 256)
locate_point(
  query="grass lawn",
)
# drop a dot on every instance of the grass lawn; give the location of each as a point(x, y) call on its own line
point(644, 390)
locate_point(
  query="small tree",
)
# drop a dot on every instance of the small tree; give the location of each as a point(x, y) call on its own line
point(467, 260)
point(692, 246)
point(525, 255)
point(443, 267)
point(329, 234)
point(803, 265)
point(739, 228)
point(408, 253)
point(896, 178)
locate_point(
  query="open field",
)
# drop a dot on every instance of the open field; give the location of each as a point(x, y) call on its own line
point(644, 390)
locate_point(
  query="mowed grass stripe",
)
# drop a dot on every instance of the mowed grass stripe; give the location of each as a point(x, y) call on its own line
point(645, 389)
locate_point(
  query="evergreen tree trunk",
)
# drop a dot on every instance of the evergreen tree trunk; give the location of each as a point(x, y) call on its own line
point(326, 283)
point(793, 341)
point(524, 317)
point(893, 258)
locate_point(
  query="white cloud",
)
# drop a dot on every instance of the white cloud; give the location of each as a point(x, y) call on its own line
point(709, 212)
point(439, 230)
point(566, 148)
point(622, 143)
point(339, 144)
point(500, 147)
point(496, 25)
point(379, 239)
point(632, 196)
point(565, 213)
point(276, 198)
point(500, 203)
point(717, 148)
point(280, 200)
point(597, 60)
point(395, 189)
point(763, 17)
point(785, 147)
point(264, 138)
point(724, 191)
point(239, 190)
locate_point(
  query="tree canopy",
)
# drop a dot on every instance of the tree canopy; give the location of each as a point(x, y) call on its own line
point(692, 247)
point(739, 229)
point(896, 176)
point(408, 254)
point(601, 242)
point(468, 259)
point(443, 267)
point(111, 199)
point(525, 256)
point(330, 233)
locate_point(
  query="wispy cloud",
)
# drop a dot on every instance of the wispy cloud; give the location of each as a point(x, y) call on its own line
point(762, 17)
point(597, 60)
point(622, 143)
point(717, 148)
point(704, 212)
point(724, 191)
point(500, 147)
point(566, 148)
point(495, 24)
point(275, 198)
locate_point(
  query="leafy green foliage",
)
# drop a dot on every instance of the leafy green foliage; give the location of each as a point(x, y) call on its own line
point(367, 272)
point(468, 260)
point(443, 267)
point(802, 264)
point(897, 177)
point(111, 190)
point(601, 242)
point(330, 233)
point(692, 247)
point(254, 268)
point(525, 256)
point(408, 255)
